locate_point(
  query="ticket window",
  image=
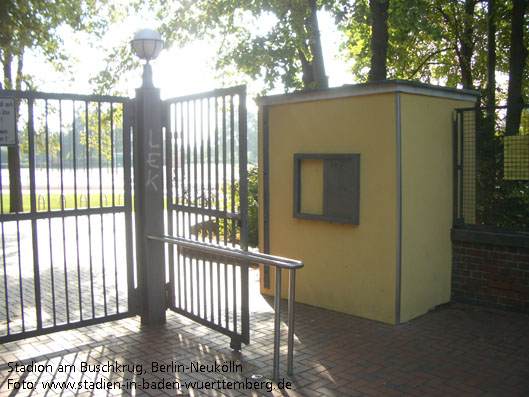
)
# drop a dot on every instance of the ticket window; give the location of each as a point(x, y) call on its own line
point(327, 187)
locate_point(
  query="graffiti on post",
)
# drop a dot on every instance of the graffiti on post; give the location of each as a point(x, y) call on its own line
point(153, 166)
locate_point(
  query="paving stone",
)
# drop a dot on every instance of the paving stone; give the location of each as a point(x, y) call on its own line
point(453, 351)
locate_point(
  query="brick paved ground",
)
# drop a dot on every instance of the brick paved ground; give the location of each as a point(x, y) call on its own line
point(453, 351)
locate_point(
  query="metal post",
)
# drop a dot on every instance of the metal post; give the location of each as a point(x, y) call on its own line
point(148, 198)
point(462, 167)
point(291, 298)
point(277, 323)
point(242, 258)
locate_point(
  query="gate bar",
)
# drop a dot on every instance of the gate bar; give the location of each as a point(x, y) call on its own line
point(257, 258)
point(33, 206)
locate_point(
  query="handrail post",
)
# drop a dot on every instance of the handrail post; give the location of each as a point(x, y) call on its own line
point(291, 301)
point(257, 258)
point(277, 323)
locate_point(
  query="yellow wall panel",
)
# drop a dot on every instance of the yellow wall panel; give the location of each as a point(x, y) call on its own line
point(342, 270)
point(427, 202)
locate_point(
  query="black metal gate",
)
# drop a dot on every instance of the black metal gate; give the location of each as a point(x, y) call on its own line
point(207, 199)
point(66, 255)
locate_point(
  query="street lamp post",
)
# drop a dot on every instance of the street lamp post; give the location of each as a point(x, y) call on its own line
point(147, 44)
point(148, 184)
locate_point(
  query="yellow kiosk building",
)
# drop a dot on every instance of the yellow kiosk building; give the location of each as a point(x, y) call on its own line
point(357, 182)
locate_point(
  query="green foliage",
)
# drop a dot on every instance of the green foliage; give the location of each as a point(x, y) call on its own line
point(46, 139)
point(252, 134)
point(414, 29)
point(253, 207)
point(227, 229)
point(33, 24)
point(499, 201)
point(118, 61)
point(432, 41)
point(101, 124)
point(272, 39)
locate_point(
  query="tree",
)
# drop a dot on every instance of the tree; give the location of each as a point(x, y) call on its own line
point(29, 25)
point(289, 51)
point(388, 39)
point(459, 43)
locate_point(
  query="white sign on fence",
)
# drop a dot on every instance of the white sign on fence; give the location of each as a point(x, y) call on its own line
point(7, 122)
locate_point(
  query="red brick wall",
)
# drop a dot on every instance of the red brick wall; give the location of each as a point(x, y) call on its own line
point(491, 270)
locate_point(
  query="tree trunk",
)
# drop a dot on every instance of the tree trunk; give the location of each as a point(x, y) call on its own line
point(308, 72)
point(517, 56)
point(491, 55)
point(20, 67)
point(379, 39)
point(6, 63)
point(318, 65)
point(488, 146)
point(15, 185)
point(467, 45)
point(13, 152)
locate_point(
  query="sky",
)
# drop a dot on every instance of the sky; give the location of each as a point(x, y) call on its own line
point(177, 71)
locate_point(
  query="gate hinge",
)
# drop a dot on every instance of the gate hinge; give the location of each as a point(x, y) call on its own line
point(135, 300)
point(167, 295)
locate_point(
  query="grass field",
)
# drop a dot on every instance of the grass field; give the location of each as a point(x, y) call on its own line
point(55, 201)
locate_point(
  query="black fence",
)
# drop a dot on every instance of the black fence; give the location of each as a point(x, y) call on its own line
point(65, 214)
point(491, 156)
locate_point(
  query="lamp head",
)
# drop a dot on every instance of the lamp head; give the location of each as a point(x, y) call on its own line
point(147, 44)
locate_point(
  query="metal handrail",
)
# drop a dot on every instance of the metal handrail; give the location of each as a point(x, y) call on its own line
point(257, 258)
